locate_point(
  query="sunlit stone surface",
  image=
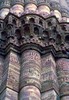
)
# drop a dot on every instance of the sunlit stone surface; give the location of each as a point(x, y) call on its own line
point(67, 19)
point(30, 92)
point(44, 9)
point(30, 8)
point(17, 9)
point(3, 13)
point(64, 19)
point(57, 14)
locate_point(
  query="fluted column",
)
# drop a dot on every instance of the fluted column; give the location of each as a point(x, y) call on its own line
point(49, 78)
point(1, 68)
point(63, 77)
point(10, 79)
point(30, 76)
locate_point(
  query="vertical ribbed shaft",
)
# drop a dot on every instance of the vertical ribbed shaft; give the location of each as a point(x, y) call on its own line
point(63, 77)
point(10, 80)
point(49, 78)
point(30, 75)
point(1, 68)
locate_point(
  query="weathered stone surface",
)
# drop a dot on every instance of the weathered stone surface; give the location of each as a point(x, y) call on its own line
point(30, 93)
point(65, 98)
point(49, 85)
point(13, 72)
point(49, 78)
point(63, 77)
point(31, 68)
point(64, 89)
point(5, 73)
point(10, 77)
point(9, 94)
point(49, 95)
point(30, 75)
point(63, 70)
point(49, 72)
point(1, 68)
point(33, 36)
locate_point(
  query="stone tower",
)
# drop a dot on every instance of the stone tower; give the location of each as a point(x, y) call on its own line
point(34, 50)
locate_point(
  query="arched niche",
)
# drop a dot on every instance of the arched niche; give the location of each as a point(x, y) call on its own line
point(67, 39)
point(36, 30)
point(32, 20)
